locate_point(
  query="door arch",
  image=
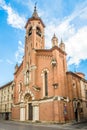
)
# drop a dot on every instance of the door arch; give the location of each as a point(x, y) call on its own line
point(27, 97)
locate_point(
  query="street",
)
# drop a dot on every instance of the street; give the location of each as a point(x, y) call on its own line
point(11, 125)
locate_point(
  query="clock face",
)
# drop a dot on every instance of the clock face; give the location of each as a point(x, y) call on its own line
point(30, 31)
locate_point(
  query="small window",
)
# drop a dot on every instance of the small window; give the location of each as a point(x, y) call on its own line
point(12, 87)
point(12, 96)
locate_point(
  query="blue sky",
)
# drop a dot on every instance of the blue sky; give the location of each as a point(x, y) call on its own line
point(66, 18)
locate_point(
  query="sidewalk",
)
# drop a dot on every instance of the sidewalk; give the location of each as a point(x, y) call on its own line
point(67, 126)
point(76, 125)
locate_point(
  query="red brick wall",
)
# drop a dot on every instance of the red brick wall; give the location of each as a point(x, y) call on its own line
point(15, 113)
point(46, 111)
point(52, 111)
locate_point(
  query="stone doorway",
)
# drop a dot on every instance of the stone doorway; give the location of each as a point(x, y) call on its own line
point(28, 101)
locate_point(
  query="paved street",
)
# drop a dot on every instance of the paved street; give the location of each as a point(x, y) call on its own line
point(10, 125)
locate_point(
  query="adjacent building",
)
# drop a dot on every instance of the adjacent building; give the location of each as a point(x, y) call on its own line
point(84, 97)
point(77, 92)
point(6, 100)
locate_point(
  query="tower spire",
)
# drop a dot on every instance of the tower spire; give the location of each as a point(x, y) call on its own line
point(54, 41)
point(61, 41)
point(62, 45)
point(35, 14)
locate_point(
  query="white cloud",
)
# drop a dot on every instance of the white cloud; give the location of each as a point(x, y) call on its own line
point(74, 37)
point(20, 52)
point(76, 46)
point(9, 62)
point(62, 30)
point(13, 18)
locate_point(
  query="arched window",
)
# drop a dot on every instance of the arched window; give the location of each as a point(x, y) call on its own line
point(46, 83)
point(27, 77)
point(20, 87)
point(44, 75)
point(30, 31)
point(38, 31)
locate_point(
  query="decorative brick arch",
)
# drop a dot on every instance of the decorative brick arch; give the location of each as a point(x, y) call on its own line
point(27, 92)
point(45, 69)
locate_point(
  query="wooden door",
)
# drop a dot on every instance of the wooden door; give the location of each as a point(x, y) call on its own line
point(30, 108)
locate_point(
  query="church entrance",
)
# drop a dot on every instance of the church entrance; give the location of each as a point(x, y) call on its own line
point(30, 111)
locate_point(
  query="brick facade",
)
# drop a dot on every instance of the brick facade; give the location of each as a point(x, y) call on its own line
point(43, 89)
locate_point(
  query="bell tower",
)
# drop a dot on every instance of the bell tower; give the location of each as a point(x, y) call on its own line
point(35, 31)
point(34, 38)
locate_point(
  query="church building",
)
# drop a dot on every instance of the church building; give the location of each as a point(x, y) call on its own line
point(41, 89)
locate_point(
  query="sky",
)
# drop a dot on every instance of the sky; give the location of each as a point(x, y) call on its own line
point(66, 18)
